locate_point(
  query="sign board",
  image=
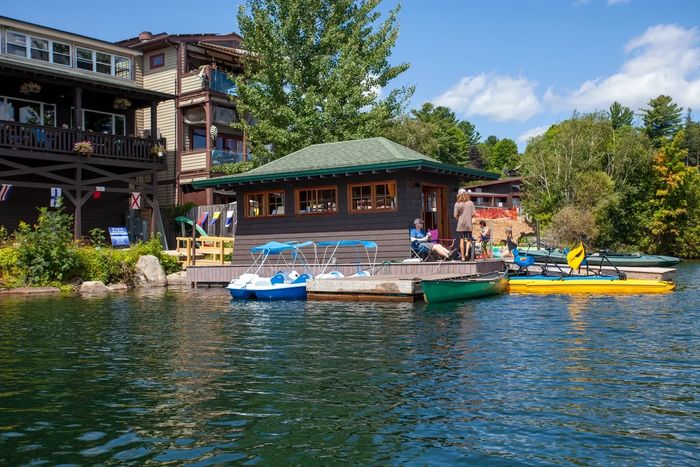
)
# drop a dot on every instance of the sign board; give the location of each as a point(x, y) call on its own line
point(119, 236)
point(135, 200)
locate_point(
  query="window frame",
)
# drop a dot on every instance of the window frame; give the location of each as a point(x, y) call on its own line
point(114, 122)
point(152, 58)
point(42, 105)
point(112, 62)
point(28, 47)
point(266, 205)
point(373, 194)
point(299, 212)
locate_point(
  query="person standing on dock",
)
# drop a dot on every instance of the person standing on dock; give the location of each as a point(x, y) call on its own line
point(464, 213)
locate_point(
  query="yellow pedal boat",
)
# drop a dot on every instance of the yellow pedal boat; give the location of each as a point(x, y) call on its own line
point(587, 284)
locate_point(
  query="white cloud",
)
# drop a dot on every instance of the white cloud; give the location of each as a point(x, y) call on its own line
point(498, 98)
point(532, 132)
point(665, 59)
point(617, 2)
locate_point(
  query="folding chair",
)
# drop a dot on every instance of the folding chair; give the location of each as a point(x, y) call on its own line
point(421, 252)
point(448, 243)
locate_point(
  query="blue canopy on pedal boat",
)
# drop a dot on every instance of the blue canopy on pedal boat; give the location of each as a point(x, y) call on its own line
point(271, 248)
point(364, 243)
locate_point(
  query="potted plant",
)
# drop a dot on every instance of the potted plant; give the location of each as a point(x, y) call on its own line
point(121, 103)
point(30, 87)
point(158, 150)
point(84, 148)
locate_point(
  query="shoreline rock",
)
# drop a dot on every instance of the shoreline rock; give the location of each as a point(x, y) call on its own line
point(149, 272)
point(93, 288)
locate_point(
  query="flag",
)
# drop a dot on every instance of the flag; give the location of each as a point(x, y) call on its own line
point(135, 200)
point(5, 192)
point(55, 197)
point(229, 218)
point(203, 219)
point(215, 217)
point(575, 257)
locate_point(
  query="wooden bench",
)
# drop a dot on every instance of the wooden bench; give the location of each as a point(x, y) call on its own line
point(216, 248)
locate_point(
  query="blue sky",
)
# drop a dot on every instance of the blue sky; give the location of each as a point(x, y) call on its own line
point(510, 67)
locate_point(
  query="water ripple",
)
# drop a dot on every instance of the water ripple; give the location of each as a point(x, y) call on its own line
point(189, 377)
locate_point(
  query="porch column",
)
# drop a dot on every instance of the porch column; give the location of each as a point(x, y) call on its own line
point(208, 117)
point(78, 105)
point(154, 120)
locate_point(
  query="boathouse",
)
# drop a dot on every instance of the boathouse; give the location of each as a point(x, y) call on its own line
point(368, 189)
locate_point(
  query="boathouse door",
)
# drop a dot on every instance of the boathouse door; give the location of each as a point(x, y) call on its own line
point(434, 209)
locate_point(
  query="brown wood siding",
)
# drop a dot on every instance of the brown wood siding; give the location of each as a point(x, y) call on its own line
point(388, 228)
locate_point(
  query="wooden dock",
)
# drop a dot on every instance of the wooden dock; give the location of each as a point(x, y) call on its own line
point(386, 288)
point(220, 275)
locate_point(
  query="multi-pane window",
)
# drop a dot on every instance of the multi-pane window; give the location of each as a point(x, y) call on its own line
point(263, 204)
point(26, 111)
point(317, 200)
point(103, 122)
point(37, 48)
point(102, 62)
point(376, 196)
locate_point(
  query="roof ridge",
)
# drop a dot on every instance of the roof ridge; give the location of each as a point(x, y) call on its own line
point(390, 147)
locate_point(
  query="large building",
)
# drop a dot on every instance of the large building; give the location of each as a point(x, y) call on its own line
point(196, 123)
point(59, 89)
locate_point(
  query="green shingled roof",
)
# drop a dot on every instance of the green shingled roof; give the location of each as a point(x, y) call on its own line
point(343, 157)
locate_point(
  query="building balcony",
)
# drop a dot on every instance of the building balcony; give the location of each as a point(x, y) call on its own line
point(219, 82)
point(46, 139)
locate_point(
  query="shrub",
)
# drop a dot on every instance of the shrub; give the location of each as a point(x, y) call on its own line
point(96, 237)
point(46, 252)
point(9, 268)
point(571, 225)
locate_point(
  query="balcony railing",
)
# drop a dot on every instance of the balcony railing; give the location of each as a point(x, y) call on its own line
point(219, 157)
point(220, 82)
point(59, 140)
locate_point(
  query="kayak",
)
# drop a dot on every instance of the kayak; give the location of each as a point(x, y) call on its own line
point(596, 259)
point(586, 284)
point(445, 290)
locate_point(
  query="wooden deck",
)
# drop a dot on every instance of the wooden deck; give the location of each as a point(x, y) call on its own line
point(220, 275)
point(380, 288)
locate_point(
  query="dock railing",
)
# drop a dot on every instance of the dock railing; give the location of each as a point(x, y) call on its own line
point(207, 250)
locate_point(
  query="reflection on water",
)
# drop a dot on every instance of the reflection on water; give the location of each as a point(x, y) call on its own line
point(189, 377)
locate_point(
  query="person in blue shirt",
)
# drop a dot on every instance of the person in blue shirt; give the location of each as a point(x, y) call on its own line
point(421, 238)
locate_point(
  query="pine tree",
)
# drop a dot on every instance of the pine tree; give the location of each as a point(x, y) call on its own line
point(314, 73)
point(662, 120)
point(620, 115)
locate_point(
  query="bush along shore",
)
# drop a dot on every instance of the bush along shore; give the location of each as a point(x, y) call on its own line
point(45, 255)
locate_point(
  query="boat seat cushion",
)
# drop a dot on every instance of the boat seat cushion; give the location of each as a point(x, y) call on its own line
point(277, 278)
point(302, 279)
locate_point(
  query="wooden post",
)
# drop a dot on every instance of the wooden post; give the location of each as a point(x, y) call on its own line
point(154, 120)
point(77, 218)
point(194, 240)
point(209, 123)
point(78, 105)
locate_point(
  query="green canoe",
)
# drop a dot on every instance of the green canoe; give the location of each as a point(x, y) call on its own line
point(445, 290)
point(616, 259)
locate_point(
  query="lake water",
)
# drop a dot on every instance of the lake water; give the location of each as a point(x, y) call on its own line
point(190, 377)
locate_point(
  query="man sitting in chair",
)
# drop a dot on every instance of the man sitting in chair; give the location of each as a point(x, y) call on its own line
point(421, 241)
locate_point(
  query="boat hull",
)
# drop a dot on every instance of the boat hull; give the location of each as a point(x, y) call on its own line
point(657, 261)
point(586, 284)
point(241, 294)
point(438, 291)
point(281, 292)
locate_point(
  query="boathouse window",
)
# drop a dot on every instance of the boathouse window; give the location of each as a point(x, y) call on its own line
point(27, 111)
point(104, 122)
point(368, 197)
point(37, 48)
point(264, 204)
point(320, 200)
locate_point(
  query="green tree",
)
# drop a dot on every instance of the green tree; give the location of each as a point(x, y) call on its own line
point(662, 119)
point(620, 115)
point(504, 156)
point(470, 132)
point(313, 73)
point(673, 221)
point(415, 134)
point(452, 143)
point(476, 159)
point(692, 141)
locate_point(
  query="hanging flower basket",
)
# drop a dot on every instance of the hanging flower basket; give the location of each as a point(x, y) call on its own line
point(84, 148)
point(158, 150)
point(30, 87)
point(121, 103)
point(213, 132)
